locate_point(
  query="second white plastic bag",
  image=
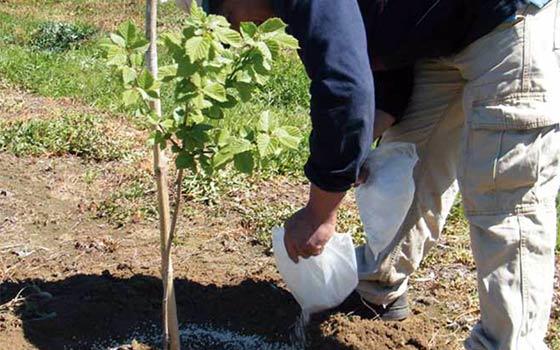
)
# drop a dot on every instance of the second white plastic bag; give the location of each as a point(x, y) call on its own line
point(385, 198)
point(321, 282)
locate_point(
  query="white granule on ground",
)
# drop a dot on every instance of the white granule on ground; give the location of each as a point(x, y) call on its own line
point(198, 337)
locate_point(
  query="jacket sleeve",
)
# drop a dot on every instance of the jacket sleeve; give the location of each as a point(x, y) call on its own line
point(334, 51)
point(393, 90)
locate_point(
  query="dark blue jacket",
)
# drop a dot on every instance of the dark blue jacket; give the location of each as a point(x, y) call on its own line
point(345, 43)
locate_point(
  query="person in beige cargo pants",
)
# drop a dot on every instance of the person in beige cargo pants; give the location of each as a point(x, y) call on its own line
point(486, 122)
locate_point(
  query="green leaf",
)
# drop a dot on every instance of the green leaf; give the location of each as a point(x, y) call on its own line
point(286, 41)
point(199, 102)
point(215, 53)
point(196, 117)
point(171, 40)
point(140, 45)
point(153, 93)
point(259, 78)
point(117, 60)
point(168, 124)
point(263, 68)
point(244, 162)
point(289, 136)
point(144, 94)
point(264, 122)
point(185, 91)
point(214, 112)
point(221, 158)
point(202, 127)
point(118, 40)
point(196, 79)
point(189, 32)
point(199, 135)
point(243, 77)
point(198, 48)
point(185, 161)
point(137, 59)
point(185, 68)
point(264, 50)
point(128, 32)
point(272, 25)
point(116, 55)
point(228, 36)
point(237, 145)
point(264, 145)
point(230, 103)
point(215, 91)
point(179, 116)
point(218, 21)
point(128, 75)
point(130, 97)
point(197, 12)
point(245, 90)
point(248, 29)
point(273, 47)
point(227, 153)
point(145, 80)
point(223, 137)
point(168, 73)
point(105, 43)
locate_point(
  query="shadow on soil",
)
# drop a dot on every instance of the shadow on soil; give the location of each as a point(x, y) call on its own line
point(88, 309)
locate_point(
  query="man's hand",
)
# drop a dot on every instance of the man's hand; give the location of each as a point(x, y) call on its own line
point(309, 229)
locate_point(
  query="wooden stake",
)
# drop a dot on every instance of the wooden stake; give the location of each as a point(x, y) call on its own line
point(171, 340)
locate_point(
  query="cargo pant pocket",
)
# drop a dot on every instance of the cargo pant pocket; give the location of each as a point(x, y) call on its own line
point(501, 156)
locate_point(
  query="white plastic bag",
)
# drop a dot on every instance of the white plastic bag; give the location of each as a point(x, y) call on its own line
point(320, 282)
point(385, 198)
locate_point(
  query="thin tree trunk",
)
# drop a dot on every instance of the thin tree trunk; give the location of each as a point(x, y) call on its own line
point(170, 322)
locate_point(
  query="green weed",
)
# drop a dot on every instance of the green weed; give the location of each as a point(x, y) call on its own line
point(133, 202)
point(80, 135)
point(77, 74)
point(60, 36)
point(260, 218)
point(288, 88)
point(349, 222)
point(90, 176)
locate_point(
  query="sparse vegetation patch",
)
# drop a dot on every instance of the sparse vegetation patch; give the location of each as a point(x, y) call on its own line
point(60, 36)
point(80, 135)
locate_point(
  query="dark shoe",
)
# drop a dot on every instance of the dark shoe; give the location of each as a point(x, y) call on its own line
point(398, 310)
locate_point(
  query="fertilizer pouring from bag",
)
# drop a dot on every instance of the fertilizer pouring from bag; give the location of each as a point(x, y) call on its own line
point(325, 281)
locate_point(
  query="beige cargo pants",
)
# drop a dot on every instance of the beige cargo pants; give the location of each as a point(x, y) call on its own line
point(486, 121)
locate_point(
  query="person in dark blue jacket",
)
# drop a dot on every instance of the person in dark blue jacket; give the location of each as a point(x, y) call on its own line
point(474, 85)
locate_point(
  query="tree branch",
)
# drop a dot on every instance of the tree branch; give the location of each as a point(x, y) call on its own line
point(173, 141)
point(171, 338)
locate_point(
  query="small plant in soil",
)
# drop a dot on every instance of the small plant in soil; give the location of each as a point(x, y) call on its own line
point(214, 69)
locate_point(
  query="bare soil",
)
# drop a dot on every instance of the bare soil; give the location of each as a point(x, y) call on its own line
point(71, 280)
